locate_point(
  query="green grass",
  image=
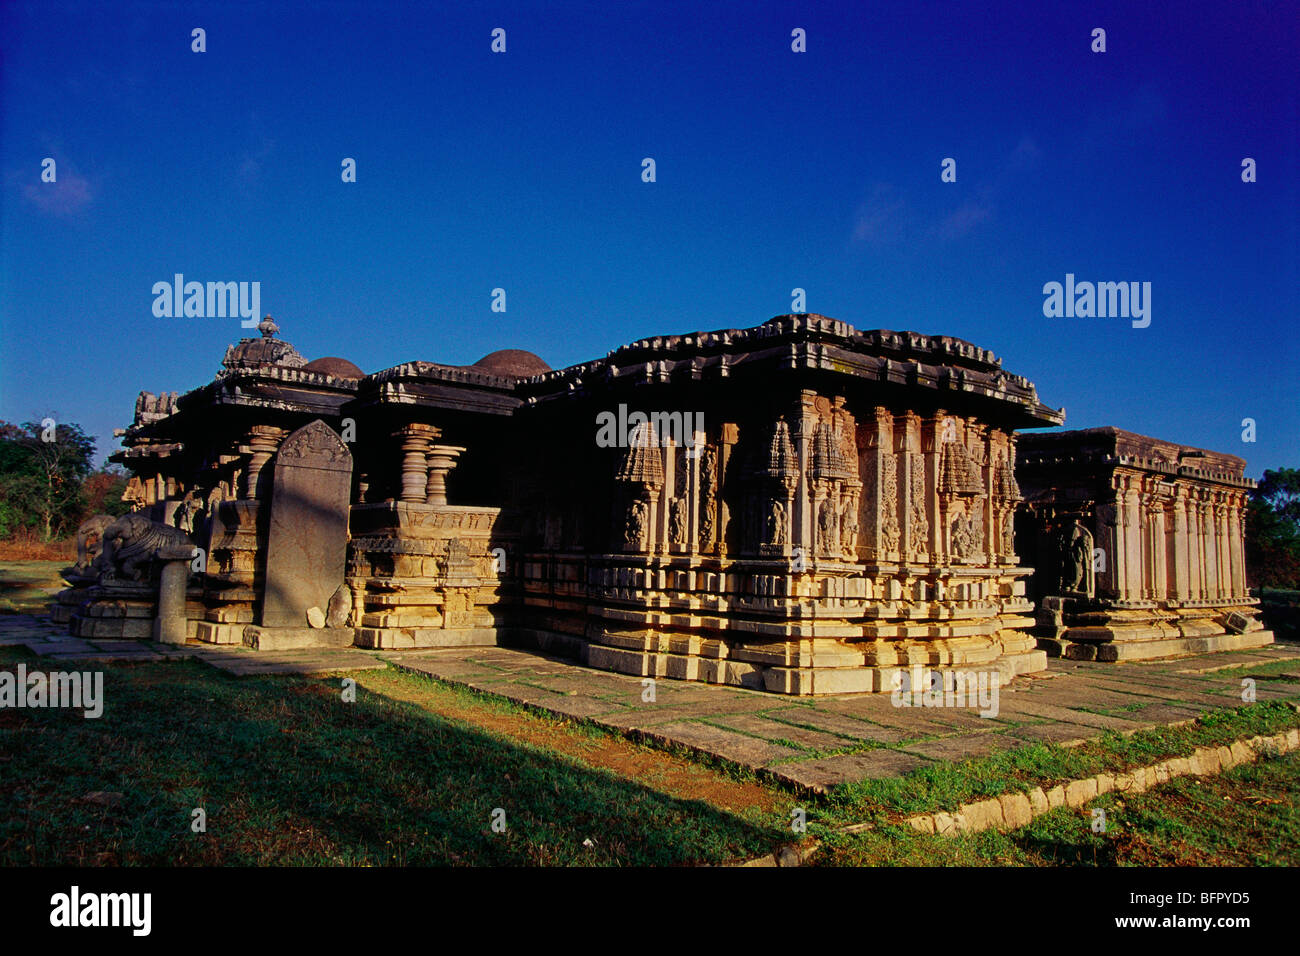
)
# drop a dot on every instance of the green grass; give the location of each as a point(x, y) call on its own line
point(1246, 817)
point(289, 774)
point(945, 786)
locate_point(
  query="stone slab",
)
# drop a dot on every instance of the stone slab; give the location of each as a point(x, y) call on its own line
point(826, 773)
point(307, 541)
point(849, 728)
point(964, 747)
point(775, 731)
point(747, 751)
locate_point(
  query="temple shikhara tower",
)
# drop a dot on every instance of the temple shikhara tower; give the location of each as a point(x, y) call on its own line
point(799, 507)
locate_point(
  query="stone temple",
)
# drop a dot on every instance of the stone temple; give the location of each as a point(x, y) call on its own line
point(799, 507)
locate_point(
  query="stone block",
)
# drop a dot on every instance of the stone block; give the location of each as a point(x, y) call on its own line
point(1080, 792)
point(1016, 810)
point(1038, 802)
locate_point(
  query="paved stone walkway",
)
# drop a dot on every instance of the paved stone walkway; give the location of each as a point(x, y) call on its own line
point(50, 641)
point(818, 743)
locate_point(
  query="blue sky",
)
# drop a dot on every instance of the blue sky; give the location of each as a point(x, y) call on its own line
point(775, 170)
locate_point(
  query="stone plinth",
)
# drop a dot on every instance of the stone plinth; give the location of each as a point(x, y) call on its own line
point(429, 575)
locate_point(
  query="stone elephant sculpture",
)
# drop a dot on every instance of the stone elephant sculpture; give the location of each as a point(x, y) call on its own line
point(90, 540)
point(132, 541)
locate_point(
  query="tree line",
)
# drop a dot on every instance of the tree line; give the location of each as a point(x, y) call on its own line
point(48, 482)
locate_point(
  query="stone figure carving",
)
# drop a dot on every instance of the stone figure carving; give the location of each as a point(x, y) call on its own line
point(186, 511)
point(776, 523)
point(315, 440)
point(967, 535)
point(132, 541)
point(708, 468)
point(677, 522)
point(638, 513)
point(1076, 559)
point(90, 540)
point(1008, 533)
point(920, 524)
point(708, 486)
point(849, 529)
point(826, 527)
point(889, 530)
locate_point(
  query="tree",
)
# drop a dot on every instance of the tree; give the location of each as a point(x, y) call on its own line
point(102, 491)
point(1273, 530)
point(41, 475)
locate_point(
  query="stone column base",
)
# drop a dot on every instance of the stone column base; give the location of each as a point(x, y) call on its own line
point(398, 638)
point(1141, 648)
point(804, 667)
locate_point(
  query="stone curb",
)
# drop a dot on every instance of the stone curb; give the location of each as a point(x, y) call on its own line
point(1010, 811)
point(792, 855)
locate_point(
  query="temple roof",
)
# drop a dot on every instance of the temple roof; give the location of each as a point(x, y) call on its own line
point(513, 363)
point(1115, 446)
point(268, 350)
point(335, 366)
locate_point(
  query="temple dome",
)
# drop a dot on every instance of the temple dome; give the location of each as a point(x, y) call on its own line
point(335, 366)
point(512, 363)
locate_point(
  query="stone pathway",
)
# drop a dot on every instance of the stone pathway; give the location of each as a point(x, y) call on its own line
point(50, 641)
point(820, 743)
point(817, 743)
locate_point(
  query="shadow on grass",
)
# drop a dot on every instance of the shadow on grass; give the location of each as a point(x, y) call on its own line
point(288, 773)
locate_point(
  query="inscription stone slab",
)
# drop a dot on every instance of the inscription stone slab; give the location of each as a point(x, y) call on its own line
point(308, 536)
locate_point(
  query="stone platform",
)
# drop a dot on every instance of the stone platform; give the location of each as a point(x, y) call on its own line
point(819, 743)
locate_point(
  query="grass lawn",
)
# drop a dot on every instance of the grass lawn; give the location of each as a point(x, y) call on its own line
point(1245, 817)
point(410, 773)
point(290, 774)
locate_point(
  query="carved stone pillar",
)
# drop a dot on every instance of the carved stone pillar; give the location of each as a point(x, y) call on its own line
point(415, 441)
point(1236, 547)
point(1182, 573)
point(1130, 524)
point(1209, 543)
point(1225, 555)
point(880, 496)
point(727, 438)
point(1156, 535)
point(907, 445)
point(263, 440)
point(1195, 553)
point(441, 460)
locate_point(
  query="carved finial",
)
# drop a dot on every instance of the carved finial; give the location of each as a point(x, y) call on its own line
point(267, 327)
